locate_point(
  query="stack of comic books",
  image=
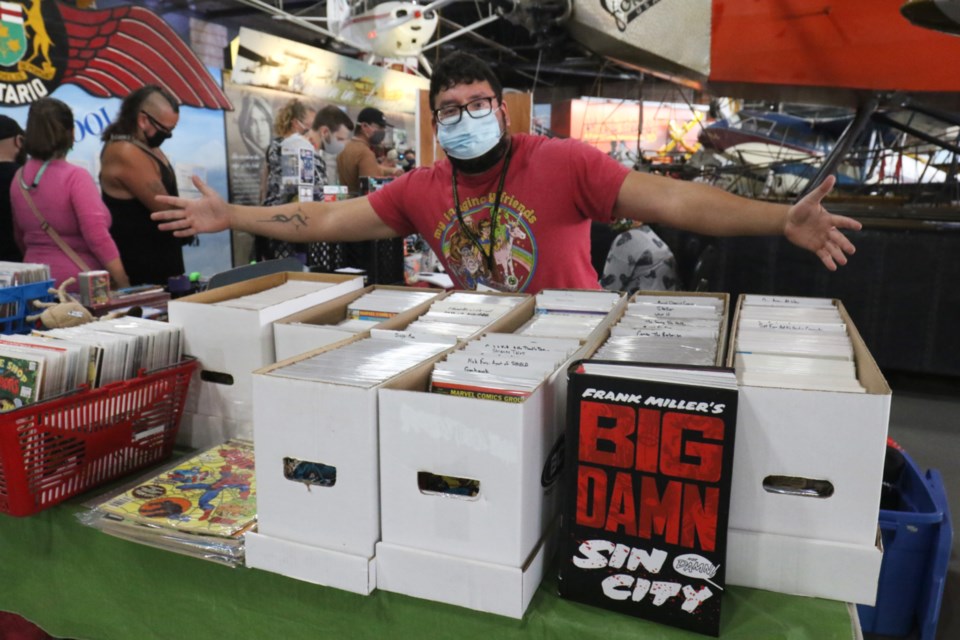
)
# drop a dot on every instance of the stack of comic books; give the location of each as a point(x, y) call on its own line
point(201, 506)
point(121, 347)
point(369, 361)
point(20, 284)
point(35, 368)
point(669, 329)
point(374, 307)
point(567, 313)
point(501, 366)
point(380, 304)
point(463, 314)
point(16, 273)
point(275, 295)
point(46, 364)
point(21, 377)
point(795, 343)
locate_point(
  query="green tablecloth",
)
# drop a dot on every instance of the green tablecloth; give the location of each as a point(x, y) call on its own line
point(77, 582)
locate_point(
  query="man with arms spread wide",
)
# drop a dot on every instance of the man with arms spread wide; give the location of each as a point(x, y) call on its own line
point(133, 173)
point(513, 212)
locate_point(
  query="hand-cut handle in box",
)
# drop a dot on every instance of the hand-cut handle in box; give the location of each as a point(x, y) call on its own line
point(445, 485)
point(316, 474)
point(796, 486)
point(216, 377)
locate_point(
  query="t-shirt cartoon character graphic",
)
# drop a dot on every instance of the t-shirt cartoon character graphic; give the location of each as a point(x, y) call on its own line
point(479, 253)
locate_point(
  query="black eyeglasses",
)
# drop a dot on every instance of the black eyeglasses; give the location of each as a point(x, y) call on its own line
point(452, 113)
point(157, 124)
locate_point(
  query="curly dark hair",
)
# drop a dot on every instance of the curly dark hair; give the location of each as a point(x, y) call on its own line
point(126, 122)
point(462, 68)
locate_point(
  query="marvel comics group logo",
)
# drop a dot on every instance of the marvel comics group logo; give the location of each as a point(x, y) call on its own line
point(28, 34)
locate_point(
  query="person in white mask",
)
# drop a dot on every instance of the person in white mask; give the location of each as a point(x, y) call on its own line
point(329, 134)
point(513, 211)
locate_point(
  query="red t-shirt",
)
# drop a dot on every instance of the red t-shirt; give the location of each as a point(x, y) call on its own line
point(541, 240)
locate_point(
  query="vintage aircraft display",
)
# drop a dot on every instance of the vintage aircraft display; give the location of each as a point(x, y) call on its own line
point(824, 52)
point(863, 55)
point(393, 30)
point(868, 57)
point(776, 154)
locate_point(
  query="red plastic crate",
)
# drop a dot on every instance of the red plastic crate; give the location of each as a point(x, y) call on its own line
point(53, 450)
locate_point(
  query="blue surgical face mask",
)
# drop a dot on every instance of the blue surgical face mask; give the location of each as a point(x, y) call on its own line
point(471, 137)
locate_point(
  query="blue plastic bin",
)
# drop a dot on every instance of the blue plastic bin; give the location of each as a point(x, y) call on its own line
point(16, 303)
point(917, 537)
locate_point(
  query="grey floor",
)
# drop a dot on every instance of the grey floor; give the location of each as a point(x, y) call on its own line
point(925, 420)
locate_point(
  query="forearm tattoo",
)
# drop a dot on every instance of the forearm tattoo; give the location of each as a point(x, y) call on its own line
point(298, 219)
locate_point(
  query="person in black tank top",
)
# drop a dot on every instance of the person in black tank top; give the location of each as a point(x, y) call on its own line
point(133, 172)
point(11, 159)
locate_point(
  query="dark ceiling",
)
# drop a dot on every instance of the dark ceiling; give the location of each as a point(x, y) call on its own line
point(523, 59)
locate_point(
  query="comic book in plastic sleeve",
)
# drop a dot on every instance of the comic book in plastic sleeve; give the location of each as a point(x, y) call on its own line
point(649, 466)
point(212, 493)
point(20, 379)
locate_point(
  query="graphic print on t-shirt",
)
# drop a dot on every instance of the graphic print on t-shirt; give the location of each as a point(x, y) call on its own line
point(511, 241)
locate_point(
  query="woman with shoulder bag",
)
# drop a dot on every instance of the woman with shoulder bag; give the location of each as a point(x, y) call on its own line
point(59, 218)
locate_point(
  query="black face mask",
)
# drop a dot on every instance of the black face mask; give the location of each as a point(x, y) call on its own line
point(484, 162)
point(157, 139)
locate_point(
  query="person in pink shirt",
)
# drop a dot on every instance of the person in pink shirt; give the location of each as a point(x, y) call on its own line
point(65, 196)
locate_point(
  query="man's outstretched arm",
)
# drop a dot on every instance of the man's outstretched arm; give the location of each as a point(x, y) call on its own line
point(343, 221)
point(704, 209)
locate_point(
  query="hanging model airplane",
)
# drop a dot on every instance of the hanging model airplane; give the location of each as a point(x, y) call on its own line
point(824, 51)
point(388, 30)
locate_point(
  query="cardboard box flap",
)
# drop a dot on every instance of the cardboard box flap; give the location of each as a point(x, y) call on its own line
point(333, 311)
point(255, 285)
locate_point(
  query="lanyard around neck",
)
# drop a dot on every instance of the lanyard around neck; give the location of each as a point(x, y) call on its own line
point(494, 214)
point(36, 178)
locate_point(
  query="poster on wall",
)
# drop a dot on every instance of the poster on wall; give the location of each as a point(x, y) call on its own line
point(269, 71)
point(272, 62)
point(249, 129)
point(197, 147)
